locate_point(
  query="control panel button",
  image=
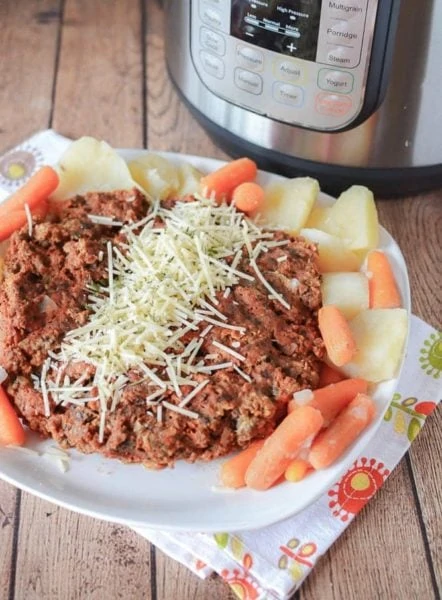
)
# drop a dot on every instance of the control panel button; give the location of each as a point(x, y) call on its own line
point(343, 33)
point(293, 95)
point(250, 58)
point(333, 105)
point(248, 81)
point(289, 70)
point(210, 16)
point(335, 81)
point(212, 64)
point(343, 56)
point(350, 9)
point(211, 40)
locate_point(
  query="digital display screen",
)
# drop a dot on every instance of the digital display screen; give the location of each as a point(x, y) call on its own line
point(287, 27)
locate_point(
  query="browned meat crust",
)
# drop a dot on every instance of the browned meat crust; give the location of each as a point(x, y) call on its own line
point(282, 347)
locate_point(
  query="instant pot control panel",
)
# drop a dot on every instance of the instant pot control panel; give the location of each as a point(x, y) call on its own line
point(303, 62)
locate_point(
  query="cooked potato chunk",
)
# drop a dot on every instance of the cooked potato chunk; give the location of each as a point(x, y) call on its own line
point(347, 291)
point(319, 219)
point(380, 337)
point(189, 178)
point(333, 253)
point(288, 204)
point(89, 165)
point(156, 175)
point(354, 218)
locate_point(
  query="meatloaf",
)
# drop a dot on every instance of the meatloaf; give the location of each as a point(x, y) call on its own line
point(43, 296)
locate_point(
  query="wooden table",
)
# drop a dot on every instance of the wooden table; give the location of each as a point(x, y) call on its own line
point(97, 67)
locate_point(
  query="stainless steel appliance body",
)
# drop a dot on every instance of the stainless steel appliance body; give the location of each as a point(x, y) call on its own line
point(348, 91)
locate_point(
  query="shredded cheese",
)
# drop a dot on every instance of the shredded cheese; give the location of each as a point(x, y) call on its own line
point(193, 393)
point(154, 395)
point(181, 410)
point(228, 350)
point(101, 220)
point(242, 374)
point(43, 387)
point(210, 368)
point(267, 285)
point(29, 218)
point(161, 284)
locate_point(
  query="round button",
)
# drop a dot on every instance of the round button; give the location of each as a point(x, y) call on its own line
point(249, 58)
point(335, 81)
point(343, 56)
point(341, 33)
point(292, 95)
point(347, 10)
point(211, 16)
point(211, 40)
point(248, 81)
point(332, 105)
point(212, 64)
point(289, 70)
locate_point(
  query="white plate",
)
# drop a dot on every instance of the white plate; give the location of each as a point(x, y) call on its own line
point(183, 498)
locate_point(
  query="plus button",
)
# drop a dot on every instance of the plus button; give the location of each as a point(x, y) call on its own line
point(291, 47)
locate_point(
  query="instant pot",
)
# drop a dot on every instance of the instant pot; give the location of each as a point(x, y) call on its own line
point(347, 91)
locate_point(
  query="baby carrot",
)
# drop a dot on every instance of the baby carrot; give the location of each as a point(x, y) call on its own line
point(248, 197)
point(10, 223)
point(333, 398)
point(234, 469)
point(336, 334)
point(382, 287)
point(222, 182)
point(332, 443)
point(329, 375)
point(15, 220)
point(41, 210)
point(11, 430)
point(297, 470)
point(282, 447)
point(37, 189)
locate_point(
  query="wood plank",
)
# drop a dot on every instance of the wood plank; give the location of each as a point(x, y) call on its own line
point(98, 92)
point(380, 555)
point(83, 557)
point(426, 458)
point(8, 516)
point(28, 44)
point(99, 83)
point(419, 238)
point(176, 581)
point(170, 126)
point(416, 223)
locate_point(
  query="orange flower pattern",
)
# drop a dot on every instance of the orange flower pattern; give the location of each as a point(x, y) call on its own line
point(356, 487)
